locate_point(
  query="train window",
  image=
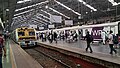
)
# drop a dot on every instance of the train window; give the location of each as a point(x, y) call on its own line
point(31, 33)
point(21, 34)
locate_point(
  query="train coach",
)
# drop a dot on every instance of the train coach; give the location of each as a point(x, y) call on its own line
point(25, 36)
point(95, 29)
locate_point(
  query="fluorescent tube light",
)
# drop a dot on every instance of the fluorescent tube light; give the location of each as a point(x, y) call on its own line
point(24, 12)
point(31, 6)
point(68, 8)
point(87, 5)
point(23, 1)
point(43, 15)
point(58, 12)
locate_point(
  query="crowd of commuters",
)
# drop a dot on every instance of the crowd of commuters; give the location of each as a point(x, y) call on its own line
point(105, 37)
point(73, 36)
point(108, 37)
point(68, 36)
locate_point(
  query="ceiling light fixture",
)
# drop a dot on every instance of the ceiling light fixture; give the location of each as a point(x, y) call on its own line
point(38, 20)
point(87, 5)
point(41, 18)
point(113, 2)
point(58, 12)
point(31, 6)
point(45, 12)
point(35, 21)
point(24, 12)
point(86, 12)
point(7, 9)
point(46, 7)
point(23, 1)
point(43, 15)
point(67, 8)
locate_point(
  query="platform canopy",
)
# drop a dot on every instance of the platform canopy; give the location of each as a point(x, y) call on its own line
point(18, 12)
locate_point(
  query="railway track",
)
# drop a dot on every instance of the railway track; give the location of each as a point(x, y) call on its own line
point(46, 60)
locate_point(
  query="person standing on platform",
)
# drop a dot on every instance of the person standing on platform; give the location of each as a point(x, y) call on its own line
point(79, 34)
point(43, 37)
point(89, 39)
point(62, 36)
point(50, 37)
point(116, 41)
point(103, 36)
point(66, 35)
point(55, 37)
point(111, 43)
point(1, 49)
point(75, 36)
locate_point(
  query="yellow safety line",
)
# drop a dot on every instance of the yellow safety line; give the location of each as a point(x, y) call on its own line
point(12, 58)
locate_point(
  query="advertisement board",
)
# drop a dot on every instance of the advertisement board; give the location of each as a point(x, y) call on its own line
point(51, 26)
point(68, 22)
point(55, 19)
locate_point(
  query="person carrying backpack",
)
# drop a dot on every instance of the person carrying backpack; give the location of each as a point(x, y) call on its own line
point(89, 39)
point(115, 40)
point(1, 49)
point(111, 43)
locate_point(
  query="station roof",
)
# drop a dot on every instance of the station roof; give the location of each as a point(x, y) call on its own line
point(24, 12)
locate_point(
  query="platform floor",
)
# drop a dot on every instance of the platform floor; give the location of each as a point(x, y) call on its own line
point(97, 48)
point(99, 51)
point(17, 58)
point(6, 61)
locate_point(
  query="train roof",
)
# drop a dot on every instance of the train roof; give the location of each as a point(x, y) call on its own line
point(24, 28)
point(85, 26)
point(88, 26)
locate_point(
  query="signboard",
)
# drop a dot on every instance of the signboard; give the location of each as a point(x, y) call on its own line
point(41, 28)
point(51, 26)
point(68, 22)
point(55, 19)
point(33, 26)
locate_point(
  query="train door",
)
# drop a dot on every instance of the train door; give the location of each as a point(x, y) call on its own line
point(119, 31)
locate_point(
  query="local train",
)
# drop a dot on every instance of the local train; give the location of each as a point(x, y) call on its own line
point(95, 30)
point(25, 36)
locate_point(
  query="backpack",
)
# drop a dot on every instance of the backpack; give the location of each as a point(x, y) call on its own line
point(115, 39)
point(91, 38)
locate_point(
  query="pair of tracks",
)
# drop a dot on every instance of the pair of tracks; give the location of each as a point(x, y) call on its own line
point(46, 60)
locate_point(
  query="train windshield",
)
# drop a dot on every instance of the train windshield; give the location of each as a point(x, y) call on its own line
point(31, 33)
point(21, 34)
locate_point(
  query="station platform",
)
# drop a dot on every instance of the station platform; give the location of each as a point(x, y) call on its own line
point(16, 57)
point(100, 51)
point(96, 47)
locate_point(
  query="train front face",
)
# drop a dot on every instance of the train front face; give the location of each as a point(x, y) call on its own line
point(27, 37)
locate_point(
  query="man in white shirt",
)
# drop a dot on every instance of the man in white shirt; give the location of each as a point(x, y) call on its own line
point(103, 37)
point(111, 43)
